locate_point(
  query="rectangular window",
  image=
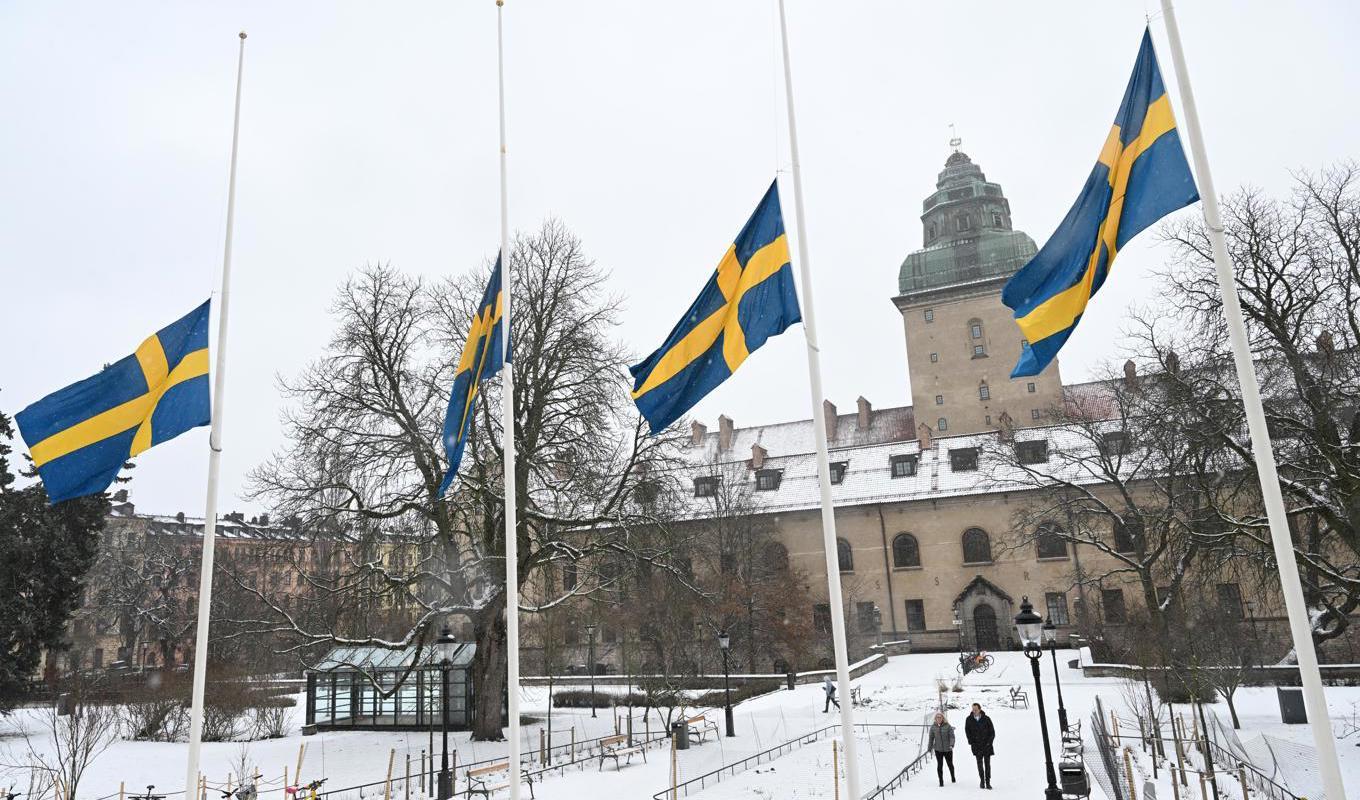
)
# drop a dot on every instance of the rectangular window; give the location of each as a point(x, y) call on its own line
point(942, 424)
point(916, 616)
point(838, 470)
point(821, 618)
point(984, 392)
point(1112, 601)
point(1029, 387)
point(706, 486)
point(1230, 600)
point(767, 480)
point(979, 351)
point(964, 459)
point(1124, 538)
point(939, 399)
point(1057, 607)
point(1114, 443)
point(934, 358)
point(930, 315)
point(1035, 452)
point(1035, 413)
point(903, 466)
point(868, 620)
point(989, 419)
point(976, 330)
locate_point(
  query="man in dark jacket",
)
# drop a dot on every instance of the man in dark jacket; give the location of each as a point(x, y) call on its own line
point(980, 733)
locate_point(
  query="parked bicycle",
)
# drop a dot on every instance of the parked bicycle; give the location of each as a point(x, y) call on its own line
point(246, 791)
point(974, 662)
point(150, 795)
point(311, 790)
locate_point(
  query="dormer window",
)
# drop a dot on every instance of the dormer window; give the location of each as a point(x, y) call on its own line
point(903, 466)
point(707, 485)
point(767, 480)
point(1035, 452)
point(838, 471)
point(963, 459)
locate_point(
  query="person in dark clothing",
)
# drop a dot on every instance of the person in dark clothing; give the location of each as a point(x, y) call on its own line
point(830, 689)
point(980, 734)
point(942, 742)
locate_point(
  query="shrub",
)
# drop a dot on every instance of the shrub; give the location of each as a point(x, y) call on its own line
point(718, 697)
point(581, 698)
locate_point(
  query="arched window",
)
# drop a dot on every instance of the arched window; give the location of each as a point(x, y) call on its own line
point(844, 556)
point(977, 546)
point(906, 551)
point(1049, 541)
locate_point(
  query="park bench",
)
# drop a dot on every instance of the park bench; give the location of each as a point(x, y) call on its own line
point(700, 725)
point(481, 780)
point(1018, 696)
point(616, 747)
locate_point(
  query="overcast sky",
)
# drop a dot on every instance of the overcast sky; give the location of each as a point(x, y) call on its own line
point(651, 129)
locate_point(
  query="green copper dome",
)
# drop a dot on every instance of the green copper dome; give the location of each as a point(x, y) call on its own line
point(967, 232)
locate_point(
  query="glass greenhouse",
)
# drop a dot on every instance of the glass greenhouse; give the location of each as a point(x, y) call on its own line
point(370, 688)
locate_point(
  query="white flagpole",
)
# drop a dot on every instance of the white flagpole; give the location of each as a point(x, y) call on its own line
point(1313, 697)
point(508, 447)
point(833, 573)
point(205, 573)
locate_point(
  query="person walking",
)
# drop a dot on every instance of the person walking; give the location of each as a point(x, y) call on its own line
point(942, 742)
point(829, 687)
point(980, 734)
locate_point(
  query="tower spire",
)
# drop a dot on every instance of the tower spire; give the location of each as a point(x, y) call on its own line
point(954, 140)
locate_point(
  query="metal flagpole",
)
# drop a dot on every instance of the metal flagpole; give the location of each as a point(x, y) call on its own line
point(508, 447)
point(833, 573)
point(205, 574)
point(1314, 699)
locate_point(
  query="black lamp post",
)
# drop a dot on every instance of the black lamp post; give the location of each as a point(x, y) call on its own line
point(1051, 636)
point(725, 642)
point(1030, 627)
point(446, 646)
point(699, 639)
point(590, 637)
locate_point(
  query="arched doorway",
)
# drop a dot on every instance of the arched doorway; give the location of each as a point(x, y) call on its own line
point(984, 627)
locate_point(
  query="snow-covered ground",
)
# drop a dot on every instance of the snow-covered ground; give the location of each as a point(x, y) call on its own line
point(897, 698)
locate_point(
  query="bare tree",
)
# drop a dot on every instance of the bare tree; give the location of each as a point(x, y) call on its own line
point(73, 733)
point(364, 452)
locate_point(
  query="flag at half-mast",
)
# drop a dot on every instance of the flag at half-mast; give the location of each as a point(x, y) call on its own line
point(80, 436)
point(482, 357)
point(1140, 177)
point(749, 298)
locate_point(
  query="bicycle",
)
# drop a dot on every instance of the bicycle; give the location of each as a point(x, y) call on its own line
point(148, 795)
point(974, 662)
point(246, 791)
point(292, 791)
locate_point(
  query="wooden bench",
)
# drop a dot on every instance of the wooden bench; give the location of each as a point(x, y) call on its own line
point(480, 779)
point(616, 747)
point(700, 725)
point(1018, 696)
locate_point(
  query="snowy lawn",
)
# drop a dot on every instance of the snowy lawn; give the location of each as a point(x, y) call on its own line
point(897, 699)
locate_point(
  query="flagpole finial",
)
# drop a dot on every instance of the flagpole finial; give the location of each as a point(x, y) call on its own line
point(500, 2)
point(242, 34)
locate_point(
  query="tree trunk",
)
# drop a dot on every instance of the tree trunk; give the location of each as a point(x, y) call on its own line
point(1232, 710)
point(489, 670)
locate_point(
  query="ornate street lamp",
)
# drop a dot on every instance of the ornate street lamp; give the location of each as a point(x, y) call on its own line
point(725, 642)
point(1029, 626)
point(590, 637)
point(1051, 636)
point(446, 647)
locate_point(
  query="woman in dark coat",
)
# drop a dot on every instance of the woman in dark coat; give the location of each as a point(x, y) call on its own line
point(980, 733)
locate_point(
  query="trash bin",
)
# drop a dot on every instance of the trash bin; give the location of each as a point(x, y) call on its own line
point(1292, 710)
point(1073, 779)
point(793, 680)
point(680, 732)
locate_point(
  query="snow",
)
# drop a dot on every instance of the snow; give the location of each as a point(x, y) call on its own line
point(902, 693)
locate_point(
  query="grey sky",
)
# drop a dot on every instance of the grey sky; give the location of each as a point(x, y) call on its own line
point(651, 129)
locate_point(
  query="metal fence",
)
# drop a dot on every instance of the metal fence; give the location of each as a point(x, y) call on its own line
point(1102, 760)
point(914, 766)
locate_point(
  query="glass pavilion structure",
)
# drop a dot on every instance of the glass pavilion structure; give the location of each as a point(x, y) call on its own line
point(374, 688)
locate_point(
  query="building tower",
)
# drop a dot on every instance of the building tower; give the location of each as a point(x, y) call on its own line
point(961, 341)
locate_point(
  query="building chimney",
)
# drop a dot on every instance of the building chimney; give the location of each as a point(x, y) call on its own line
point(120, 496)
point(924, 434)
point(1131, 375)
point(1325, 345)
point(866, 413)
point(758, 456)
point(829, 411)
point(725, 433)
point(1007, 430)
point(697, 432)
point(1173, 362)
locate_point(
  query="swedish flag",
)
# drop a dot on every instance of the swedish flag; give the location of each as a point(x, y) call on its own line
point(1140, 177)
point(481, 359)
point(80, 436)
point(750, 298)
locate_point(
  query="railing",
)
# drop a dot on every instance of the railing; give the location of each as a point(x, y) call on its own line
point(902, 777)
point(698, 784)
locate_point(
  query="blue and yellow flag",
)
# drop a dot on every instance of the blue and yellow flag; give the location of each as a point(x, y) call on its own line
point(1140, 177)
point(482, 358)
point(80, 436)
point(750, 298)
